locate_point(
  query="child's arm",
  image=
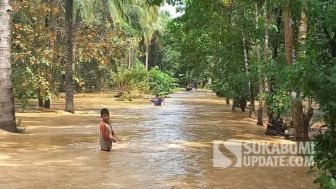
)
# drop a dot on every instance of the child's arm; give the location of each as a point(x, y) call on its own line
point(113, 136)
point(116, 137)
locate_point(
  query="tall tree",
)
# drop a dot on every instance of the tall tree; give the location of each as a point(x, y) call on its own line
point(288, 32)
point(7, 111)
point(302, 36)
point(297, 108)
point(69, 101)
point(260, 120)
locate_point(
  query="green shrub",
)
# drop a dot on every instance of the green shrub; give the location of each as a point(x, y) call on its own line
point(160, 82)
point(128, 81)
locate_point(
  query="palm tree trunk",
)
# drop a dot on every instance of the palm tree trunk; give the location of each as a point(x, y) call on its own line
point(107, 13)
point(130, 54)
point(147, 56)
point(133, 55)
point(7, 111)
point(69, 104)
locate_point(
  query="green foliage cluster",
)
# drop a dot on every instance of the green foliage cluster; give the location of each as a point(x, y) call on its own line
point(129, 82)
point(161, 83)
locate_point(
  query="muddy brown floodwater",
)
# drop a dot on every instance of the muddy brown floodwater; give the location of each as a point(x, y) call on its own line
point(162, 147)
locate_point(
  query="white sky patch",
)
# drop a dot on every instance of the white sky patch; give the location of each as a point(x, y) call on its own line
point(171, 10)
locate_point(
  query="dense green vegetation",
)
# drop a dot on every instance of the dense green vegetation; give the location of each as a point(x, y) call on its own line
point(277, 54)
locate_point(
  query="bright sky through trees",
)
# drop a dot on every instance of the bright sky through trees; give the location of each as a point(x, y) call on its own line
point(171, 10)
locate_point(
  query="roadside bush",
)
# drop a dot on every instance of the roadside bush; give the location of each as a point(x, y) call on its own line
point(160, 82)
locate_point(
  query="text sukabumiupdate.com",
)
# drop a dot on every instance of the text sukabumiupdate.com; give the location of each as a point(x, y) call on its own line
point(234, 153)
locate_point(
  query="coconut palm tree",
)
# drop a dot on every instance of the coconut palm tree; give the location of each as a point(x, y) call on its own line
point(7, 111)
point(148, 26)
point(137, 14)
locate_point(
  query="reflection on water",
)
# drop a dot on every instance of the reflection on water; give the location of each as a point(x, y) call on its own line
point(162, 147)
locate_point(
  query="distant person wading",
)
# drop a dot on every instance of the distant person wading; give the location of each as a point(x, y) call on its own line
point(157, 100)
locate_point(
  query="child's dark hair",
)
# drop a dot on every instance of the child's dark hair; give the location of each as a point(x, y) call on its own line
point(104, 111)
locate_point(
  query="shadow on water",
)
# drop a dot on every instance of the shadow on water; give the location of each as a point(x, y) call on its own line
point(162, 147)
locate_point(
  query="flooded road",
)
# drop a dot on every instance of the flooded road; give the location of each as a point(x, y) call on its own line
point(163, 147)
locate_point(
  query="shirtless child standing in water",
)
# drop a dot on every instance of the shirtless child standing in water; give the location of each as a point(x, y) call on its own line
point(107, 135)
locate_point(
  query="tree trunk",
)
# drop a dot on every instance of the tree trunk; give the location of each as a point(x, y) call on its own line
point(47, 103)
point(267, 52)
point(69, 104)
point(247, 70)
point(7, 111)
point(288, 32)
point(133, 56)
point(40, 100)
point(252, 106)
point(258, 49)
point(297, 108)
point(260, 120)
point(130, 54)
point(260, 112)
point(303, 119)
point(147, 57)
point(52, 28)
point(275, 19)
point(302, 35)
point(107, 13)
point(234, 104)
point(266, 57)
